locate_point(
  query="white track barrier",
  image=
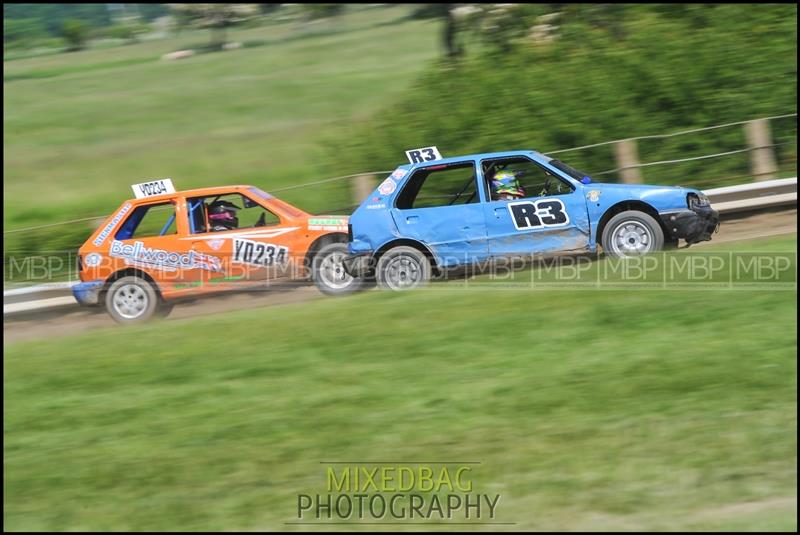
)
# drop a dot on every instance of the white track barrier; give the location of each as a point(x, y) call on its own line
point(753, 196)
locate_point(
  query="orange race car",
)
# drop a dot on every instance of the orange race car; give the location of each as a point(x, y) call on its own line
point(164, 245)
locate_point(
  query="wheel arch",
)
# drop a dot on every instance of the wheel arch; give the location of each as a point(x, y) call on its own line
point(624, 206)
point(421, 247)
point(129, 272)
point(320, 242)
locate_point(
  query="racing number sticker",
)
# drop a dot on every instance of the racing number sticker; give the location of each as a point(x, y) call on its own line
point(257, 253)
point(543, 213)
point(425, 154)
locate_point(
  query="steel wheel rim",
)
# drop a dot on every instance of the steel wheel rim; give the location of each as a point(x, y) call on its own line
point(332, 272)
point(631, 238)
point(403, 272)
point(130, 301)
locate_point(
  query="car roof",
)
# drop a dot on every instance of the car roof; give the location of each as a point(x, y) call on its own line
point(197, 192)
point(477, 156)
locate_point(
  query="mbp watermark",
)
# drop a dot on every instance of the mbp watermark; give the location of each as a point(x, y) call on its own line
point(661, 270)
point(731, 270)
point(398, 492)
point(48, 266)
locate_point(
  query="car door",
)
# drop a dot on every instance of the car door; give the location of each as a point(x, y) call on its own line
point(254, 251)
point(550, 217)
point(150, 239)
point(440, 207)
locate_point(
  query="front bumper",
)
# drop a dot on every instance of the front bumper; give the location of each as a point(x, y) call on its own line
point(88, 293)
point(359, 265)
point(691, 225)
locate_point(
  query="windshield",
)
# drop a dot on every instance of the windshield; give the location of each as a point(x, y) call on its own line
point(571, 171)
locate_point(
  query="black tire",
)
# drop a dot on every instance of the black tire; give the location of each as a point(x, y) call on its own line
point(403, 268)
point(329, 274)
point(632, 233)
point(131, 300)
point(164, 309)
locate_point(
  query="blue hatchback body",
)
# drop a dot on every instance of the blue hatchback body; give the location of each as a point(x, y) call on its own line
point(566, 215)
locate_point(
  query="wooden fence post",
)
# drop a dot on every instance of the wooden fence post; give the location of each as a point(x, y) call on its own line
point(362, 187)
point(762, 157)
point(628, 161)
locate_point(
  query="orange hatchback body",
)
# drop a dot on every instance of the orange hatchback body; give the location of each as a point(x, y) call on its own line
point(165, 245)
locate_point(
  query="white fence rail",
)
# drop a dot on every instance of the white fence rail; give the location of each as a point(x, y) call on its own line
point(755, 196)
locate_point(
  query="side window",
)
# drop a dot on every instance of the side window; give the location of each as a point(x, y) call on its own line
point(149, 220)
point(440, 185)
point(233, 211)
point(536, 181)
point(255, 215)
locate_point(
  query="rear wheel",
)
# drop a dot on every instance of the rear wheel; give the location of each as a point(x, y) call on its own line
point(632, 233)
point(329, 274)
point(131, 300)
point(403, 268)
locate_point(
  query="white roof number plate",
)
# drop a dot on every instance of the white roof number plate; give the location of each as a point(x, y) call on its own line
point(154, 187)
point(425, 154)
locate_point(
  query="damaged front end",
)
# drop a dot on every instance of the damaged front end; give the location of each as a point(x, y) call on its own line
point(694, 224)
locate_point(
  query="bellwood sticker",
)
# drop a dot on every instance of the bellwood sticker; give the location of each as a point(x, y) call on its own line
point(139, 254)
point(258, 254)
point(542, 213)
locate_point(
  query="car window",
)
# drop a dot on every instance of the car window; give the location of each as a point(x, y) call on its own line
point(245, 213)
point(440, 185)
point(149, 220)
point(535, 180)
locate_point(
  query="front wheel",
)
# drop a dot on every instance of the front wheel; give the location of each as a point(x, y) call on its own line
point(632, 233)
point(328, 272)
point(403, 268)
point(131, 300)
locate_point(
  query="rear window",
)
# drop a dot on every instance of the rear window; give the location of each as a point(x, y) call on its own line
point(439, 185)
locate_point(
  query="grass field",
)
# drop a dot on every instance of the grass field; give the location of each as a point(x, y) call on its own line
point(79, 128)
point(654, 410)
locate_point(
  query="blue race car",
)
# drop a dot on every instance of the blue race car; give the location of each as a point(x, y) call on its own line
point(437, 213)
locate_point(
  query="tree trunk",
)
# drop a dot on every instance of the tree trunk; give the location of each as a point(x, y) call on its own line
point(218, 37)
point(449, 34)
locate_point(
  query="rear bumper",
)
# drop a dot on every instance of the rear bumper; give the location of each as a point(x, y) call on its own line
point(359, 265)
point(88, 293)
point(691, 225)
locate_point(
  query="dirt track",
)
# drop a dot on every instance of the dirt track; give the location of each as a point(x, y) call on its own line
point(64, 322)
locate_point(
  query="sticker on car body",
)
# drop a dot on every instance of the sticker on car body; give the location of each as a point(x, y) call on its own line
point(387, 187)
point(258, 253)
point(93, 259)
point(110, 226)
point(330, 223)
point(537, 214)
point(139, 254)
point(398, 174)
point(216, 243)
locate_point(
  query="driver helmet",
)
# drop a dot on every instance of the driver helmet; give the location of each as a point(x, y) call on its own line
point(222, 215)
point(505, 185)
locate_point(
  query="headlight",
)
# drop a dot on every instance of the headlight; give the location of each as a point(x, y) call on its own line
point(697, 200)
